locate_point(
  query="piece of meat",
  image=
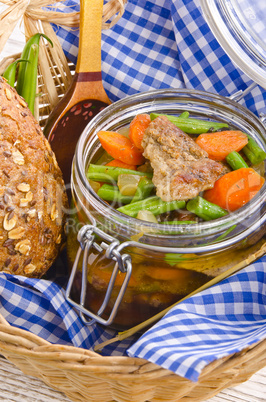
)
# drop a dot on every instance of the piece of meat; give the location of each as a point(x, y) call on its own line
point(181, 168)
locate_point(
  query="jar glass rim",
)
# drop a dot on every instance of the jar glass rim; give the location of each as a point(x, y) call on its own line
point(233, 24)
point(88, 138)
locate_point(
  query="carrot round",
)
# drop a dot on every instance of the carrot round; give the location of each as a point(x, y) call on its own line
point(118, 163)
point(137, 128)
point(104, 275)
point(235, 189)
point(120, 147)
point(219, 145)
point(168, 274)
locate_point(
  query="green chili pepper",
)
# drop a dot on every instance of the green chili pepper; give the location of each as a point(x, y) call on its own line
point(10, 72)
point(35, 39)
point(30, 77)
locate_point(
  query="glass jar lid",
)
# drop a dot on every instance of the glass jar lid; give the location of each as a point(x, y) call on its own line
point(240, 28)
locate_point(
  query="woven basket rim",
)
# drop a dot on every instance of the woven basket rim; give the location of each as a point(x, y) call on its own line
point(23, 342)
point(34, 356)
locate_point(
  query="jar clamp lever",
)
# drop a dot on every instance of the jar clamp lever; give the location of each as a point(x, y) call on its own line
point(86, 238)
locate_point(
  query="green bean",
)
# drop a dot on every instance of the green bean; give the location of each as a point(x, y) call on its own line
point(235, 160)
point(30, 78)
point(253, 151)
point(178, 222)
point(184, 115)
point(227, 232)
point(110, 173)
point(205, 209)
point(34, 39)
point(192, 125)
point(10, 72)
point(111, 193)
point(153, 204)
point(172, 259)
point(144, 189)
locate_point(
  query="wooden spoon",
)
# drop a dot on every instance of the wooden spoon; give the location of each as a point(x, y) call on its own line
point(85, 96)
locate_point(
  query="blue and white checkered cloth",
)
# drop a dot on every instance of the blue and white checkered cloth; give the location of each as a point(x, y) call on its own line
point(39, 306)
point(157, 44)
point(215, 323)
point(221, 320)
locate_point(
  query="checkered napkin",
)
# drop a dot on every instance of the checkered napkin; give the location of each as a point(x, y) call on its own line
point(219, 321)
point(215, 323)
point(39, 306)
point(165, 43)
point(157, 44)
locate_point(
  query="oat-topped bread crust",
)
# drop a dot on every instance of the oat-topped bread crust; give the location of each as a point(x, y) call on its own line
point(32, 193)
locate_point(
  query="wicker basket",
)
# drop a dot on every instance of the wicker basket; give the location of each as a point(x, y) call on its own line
point(84, 375)
point(60, 86)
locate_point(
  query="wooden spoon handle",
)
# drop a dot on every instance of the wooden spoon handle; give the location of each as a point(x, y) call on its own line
point(89, 54)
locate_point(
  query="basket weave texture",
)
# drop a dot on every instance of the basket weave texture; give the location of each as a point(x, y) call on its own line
point(84, 375)
point(43, 106)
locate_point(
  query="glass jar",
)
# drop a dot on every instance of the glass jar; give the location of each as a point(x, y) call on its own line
point(126, 270)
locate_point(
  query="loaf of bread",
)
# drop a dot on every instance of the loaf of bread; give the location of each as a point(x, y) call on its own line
point(32, 191)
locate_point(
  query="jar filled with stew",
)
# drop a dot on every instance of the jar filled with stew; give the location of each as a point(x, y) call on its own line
point(168, 192)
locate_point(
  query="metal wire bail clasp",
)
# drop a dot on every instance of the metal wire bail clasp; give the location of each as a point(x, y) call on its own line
point(86, 238)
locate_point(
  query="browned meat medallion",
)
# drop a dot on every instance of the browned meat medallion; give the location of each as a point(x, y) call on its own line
point(181, 168)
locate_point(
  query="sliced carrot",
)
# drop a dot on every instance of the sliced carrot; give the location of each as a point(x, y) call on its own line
point(118, 163)
point(168, 274)
point(219, 145)
point(105, 275)
point(235, 189)
point(137, 128)
point(120, 147)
